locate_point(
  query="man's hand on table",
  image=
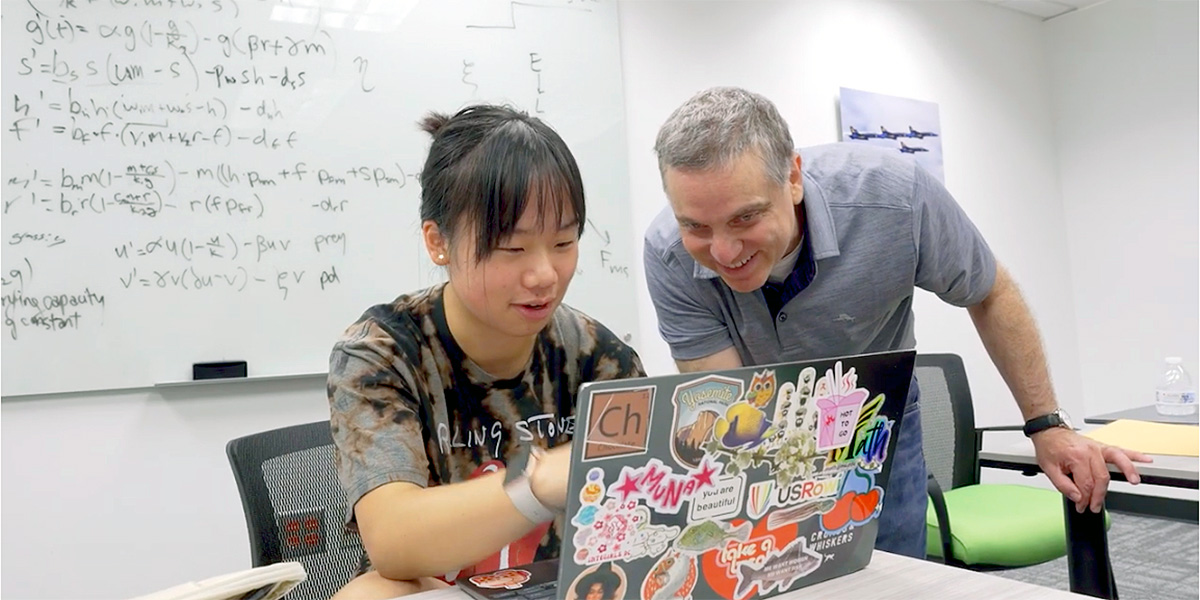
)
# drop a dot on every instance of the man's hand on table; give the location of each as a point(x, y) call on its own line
point(1062, 452)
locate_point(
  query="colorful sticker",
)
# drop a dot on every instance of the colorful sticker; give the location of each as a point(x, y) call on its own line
point(758, 499)
point(871, 443)
point(603, 582)
point(672, 577)
point(839, 401)
point(872, 434)
point(701, 537)
point(593, 486)
point(743, 427)
point(721, 567)
point(778, 571)
point(800, 512)
point(618, 531)
point(618, 423)
point(792, 415)
point(722, 501)
point(660, 487)
point(859, 501)
point(507, 579)
point(785, 444)
point(589, 498)
point(698, 404)
point(762, 388)
point(800, 492)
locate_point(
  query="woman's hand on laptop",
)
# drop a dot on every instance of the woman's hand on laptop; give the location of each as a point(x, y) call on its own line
point(549, 480)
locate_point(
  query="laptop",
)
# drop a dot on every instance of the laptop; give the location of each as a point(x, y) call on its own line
point(736, 484)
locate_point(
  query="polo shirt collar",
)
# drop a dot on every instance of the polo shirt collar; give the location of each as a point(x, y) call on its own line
point(821, 231)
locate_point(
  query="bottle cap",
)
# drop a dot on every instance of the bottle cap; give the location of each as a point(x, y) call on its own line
point(1174, 360)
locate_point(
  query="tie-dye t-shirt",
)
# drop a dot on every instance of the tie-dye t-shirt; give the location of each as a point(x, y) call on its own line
point(407, 405)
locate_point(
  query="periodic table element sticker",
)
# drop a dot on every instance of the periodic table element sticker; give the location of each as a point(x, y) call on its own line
point(618, 423)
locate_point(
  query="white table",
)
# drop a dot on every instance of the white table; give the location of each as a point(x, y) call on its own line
point(1143, 413)
point(892, 577)
point(1090, 570)
point(1012, 450)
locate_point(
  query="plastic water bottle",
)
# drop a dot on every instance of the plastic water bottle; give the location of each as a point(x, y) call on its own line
point(1174, 394)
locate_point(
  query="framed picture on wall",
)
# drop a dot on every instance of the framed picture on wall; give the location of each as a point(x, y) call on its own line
point(908, 126)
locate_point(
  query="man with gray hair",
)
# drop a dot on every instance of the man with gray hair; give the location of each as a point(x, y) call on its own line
point(768, 255)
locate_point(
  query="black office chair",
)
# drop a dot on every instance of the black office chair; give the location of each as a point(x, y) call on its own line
point(973, 525)
point(294, 505)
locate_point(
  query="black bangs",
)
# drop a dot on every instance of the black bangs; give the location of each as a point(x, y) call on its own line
point(520, 161)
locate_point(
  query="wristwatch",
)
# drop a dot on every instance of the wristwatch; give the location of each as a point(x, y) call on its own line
point(517, 486)
point(1058, 418)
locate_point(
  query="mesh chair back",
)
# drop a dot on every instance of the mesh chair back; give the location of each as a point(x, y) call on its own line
point(951, 444)
point(294, 505)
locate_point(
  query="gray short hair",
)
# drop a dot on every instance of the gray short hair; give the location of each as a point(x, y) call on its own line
point(720, 124)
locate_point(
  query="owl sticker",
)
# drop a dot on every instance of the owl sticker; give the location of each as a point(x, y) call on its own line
point(762, 388)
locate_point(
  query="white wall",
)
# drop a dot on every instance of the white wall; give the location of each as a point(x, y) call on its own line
point(1128, 144)
point(111, 495)
point(983, 65)
point(117, 495)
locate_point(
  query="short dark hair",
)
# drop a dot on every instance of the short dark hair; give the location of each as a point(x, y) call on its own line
point(485, 165)
point(608, 580)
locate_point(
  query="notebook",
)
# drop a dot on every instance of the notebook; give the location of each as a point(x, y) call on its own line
point(269, 582)
point(737, 484)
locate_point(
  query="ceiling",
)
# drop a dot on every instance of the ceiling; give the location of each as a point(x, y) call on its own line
point(1045, 9)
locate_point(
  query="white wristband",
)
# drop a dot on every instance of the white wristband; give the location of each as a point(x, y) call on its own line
point(521, 494)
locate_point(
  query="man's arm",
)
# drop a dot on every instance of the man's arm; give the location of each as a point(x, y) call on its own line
point(1010, 335)
point(724, 359)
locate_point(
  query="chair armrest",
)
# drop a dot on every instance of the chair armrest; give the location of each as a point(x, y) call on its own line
point(943, 518)
point(1000, 428)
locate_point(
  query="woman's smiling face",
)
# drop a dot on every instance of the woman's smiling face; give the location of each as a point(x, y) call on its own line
point(514, 291)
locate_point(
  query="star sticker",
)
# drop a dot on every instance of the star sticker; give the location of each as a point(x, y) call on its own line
point(628, 486)
point(704, 477)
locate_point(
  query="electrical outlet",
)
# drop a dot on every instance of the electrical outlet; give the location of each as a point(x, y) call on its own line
point(301, 532)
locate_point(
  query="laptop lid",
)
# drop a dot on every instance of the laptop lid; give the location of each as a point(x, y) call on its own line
point(734, 484)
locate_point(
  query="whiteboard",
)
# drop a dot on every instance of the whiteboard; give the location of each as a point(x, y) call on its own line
point(208, 180)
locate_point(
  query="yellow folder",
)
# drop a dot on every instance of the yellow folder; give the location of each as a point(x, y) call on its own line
point(1151, 438)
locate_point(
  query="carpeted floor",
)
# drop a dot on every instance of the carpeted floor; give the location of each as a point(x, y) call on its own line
point(1153, 559)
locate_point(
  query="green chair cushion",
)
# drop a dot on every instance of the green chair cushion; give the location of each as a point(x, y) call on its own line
point(1001, 525)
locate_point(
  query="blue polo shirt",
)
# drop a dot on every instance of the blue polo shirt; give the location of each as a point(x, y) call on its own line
point(877, 225)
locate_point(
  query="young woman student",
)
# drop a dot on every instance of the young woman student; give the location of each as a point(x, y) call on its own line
point(434, 393)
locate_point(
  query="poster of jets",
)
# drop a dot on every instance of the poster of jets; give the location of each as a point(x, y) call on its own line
point(902, 124)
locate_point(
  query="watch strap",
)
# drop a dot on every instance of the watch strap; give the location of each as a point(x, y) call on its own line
point(521, 494)
point(1042, 423)
point(519, 489)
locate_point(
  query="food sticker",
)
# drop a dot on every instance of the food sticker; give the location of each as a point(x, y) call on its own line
point(505, 578)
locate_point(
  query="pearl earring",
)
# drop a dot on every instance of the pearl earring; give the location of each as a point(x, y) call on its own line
point(441, 257)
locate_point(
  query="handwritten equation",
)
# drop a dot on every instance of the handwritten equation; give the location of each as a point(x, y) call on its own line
point(177, 161)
